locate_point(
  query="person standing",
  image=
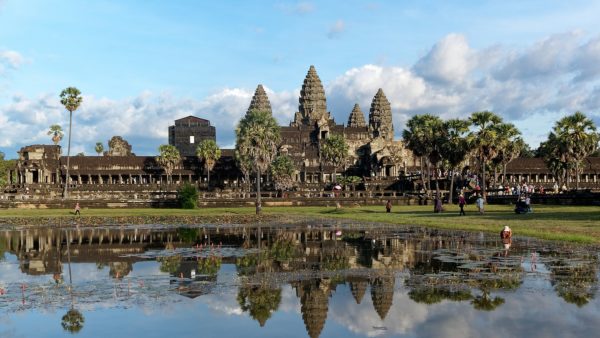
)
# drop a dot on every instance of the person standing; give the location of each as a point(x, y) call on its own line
point(388, 206)
point(480, 203)
point(77, 209)
point(461, 204)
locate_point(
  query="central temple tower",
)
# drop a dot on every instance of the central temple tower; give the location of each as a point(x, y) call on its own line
point(313, 105)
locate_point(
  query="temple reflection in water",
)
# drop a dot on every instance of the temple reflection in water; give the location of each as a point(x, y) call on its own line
point(314, 261)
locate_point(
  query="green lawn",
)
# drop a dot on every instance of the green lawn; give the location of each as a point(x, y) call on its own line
point(569, 223)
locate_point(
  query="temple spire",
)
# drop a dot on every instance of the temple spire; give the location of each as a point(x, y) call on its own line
point(313, 105)
point(380, 117)
point(356, 118)
point(260, 100)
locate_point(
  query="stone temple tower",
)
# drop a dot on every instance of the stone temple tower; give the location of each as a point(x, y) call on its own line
point(356, 118)
point(260, 101)
point(380, 117)
point(313, 105)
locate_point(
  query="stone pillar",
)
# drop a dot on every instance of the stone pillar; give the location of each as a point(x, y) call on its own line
point(79, 179)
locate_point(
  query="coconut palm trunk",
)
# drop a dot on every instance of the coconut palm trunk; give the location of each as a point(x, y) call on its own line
point(258, 200)
point(66, 190)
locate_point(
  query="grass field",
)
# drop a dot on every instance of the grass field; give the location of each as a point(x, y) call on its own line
point(569, 223)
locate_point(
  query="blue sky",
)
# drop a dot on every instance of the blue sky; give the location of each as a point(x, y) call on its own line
point(142, 64)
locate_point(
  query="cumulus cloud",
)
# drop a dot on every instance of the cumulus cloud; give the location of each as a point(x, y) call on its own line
point(143, 120)
point(531, 86)
point(336, 30)
point(449, 61)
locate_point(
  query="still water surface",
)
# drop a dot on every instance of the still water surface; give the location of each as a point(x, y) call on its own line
point(300, 280)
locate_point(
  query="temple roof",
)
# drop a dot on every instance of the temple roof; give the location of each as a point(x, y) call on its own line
point(356, 118)
point(260, 100)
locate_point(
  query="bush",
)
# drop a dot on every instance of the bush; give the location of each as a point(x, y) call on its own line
point(188, 196)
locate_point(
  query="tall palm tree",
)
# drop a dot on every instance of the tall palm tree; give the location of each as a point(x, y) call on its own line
point(483, 140)
point(168, 158)
point(334, 150)
point(99, 148)
point(257, 139)
point(209, 152)
point(455, 147)
point(71, 99)
point(578, 133)
point(57, 133)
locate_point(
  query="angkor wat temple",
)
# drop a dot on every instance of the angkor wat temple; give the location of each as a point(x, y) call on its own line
point(373, 155)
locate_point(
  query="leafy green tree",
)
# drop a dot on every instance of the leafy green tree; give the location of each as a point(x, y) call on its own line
point(56, 132)
point(282, 172)
point(577, 135)
point(509, 144)
point(209, 152)
point(483, 140)
point(188, 196)
point(168, 159)
point(334, 151)
point(455, 147)
point(245, 165)
point(422, 138)
point(4, 167)
point(71, 99)
point(257, 138)
point(99, 148)
point(555, 155)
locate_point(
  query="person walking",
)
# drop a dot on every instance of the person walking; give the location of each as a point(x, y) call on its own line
point(77, 209)
point(461, 203)
point(388, 206)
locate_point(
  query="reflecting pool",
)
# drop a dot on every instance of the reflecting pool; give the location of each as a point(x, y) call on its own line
point(298, 279)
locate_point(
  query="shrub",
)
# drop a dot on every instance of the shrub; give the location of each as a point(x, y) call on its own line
point(188, 196)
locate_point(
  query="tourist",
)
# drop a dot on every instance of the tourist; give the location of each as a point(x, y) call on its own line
point(438, 205)
point(555, 188)
point(388, 206)
point(506, 233)
point(480, 203)
point(77, 209)
point(461, 204)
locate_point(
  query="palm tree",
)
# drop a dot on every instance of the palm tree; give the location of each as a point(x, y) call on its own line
point(57, 133)
point(455, 147)
point(578, 134)
point(168, 158)
point(334, 150)
point(99, 148)
point(209, 152)
point(257, 138)
point(71, 99)
point(483, 140)
point(282, 171)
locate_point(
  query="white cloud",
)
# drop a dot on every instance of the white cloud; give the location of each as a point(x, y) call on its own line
point(546, 80)
point(336, 30)
point(449, 61)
